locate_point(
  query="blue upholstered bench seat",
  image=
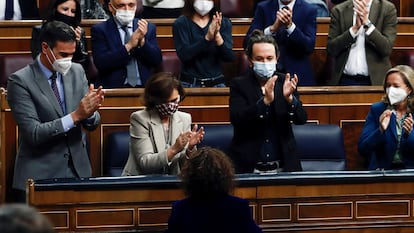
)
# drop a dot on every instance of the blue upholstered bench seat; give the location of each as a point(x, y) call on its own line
point(320, 147)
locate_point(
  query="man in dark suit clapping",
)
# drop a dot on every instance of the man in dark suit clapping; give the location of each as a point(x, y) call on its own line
point(263, 103)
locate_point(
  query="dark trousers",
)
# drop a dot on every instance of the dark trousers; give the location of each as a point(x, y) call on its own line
point(354, 80)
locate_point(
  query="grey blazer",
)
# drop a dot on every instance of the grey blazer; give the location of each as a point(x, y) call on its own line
point(378, 45)
point(44, 148)
point(148, 148)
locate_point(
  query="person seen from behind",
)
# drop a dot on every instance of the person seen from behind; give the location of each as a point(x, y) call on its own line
point(208, 182)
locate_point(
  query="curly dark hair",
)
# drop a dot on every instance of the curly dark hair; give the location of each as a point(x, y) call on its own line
point(208, 174)
point(159, 88)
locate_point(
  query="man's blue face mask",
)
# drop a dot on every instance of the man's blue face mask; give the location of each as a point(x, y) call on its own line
point(264, 70)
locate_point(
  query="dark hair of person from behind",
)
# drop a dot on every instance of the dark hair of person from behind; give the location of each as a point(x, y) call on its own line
point(189, 11)
point(52, 9)
point(407, 74)
point(159, 88)
point(208, 174)
point(257, 36)
point(22, 218)
point(54, 31)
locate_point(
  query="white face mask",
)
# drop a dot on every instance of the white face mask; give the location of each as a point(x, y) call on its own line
point(396, 95)
point(124, 17)
point(203, 7)
point(264, 70)
point(61, 65)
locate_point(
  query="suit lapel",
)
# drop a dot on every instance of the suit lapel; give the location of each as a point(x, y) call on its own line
point(176, 126)
point(349, 16)
point(114, 37)
point(374, 12)
point(158, 130)
point(251, 81)
point(68, 90)
point(42, 82)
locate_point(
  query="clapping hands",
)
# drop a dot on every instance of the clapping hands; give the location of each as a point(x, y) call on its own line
point(214, 29)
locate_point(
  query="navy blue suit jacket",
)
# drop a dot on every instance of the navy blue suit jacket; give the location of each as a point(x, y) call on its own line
point(111, 58)
point(295, 49)
point(379, 148)
point(225, 214)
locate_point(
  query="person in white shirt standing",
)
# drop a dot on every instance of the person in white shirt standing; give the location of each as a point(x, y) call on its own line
point(361, 37)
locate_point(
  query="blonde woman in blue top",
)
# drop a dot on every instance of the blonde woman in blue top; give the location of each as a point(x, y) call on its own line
point(203, 41)
point(387, 139)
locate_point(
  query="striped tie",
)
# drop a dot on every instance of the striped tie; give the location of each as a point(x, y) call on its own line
point(55, 89)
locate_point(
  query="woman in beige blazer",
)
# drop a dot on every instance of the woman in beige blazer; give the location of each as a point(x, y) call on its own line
point(161, 136)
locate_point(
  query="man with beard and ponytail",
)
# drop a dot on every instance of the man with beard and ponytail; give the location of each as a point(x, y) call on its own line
point(161, 137)
point(387, 139)
point(52, 104)
point(263, 104)
point(124, 48)
point(69, 12)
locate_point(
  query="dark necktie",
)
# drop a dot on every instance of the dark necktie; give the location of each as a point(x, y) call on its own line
point(8, 13)
point(132, 72)
point(55, 89)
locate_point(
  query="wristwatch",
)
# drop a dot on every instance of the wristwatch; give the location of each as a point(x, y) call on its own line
point(367, 25)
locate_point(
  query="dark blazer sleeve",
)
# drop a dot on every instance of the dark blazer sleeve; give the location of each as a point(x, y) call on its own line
point(303, 38)
point(150, 53)
point(371, 135)
point(226, 49)
point(263, 17)
point(81, 52)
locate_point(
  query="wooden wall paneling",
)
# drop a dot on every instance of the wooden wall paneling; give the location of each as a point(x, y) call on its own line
point(406, 8)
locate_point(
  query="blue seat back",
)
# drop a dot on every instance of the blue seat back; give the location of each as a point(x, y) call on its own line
point(116, 153)
point(320, 147)
point(218, 136)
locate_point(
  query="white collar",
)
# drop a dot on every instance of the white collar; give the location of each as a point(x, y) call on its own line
point(290, 5)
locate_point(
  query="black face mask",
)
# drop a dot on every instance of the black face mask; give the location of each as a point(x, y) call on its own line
point(69, 20)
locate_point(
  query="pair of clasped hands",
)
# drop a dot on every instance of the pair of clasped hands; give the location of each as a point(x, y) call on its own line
point(362, 12)
point(289, 86)
point(192, 138)
point(90, 103)
point(213, 32)
point(283, 18)
point(385, 118)
point(138, 36)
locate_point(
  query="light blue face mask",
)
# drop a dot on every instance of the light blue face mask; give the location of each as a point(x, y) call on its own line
point(264, 70)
